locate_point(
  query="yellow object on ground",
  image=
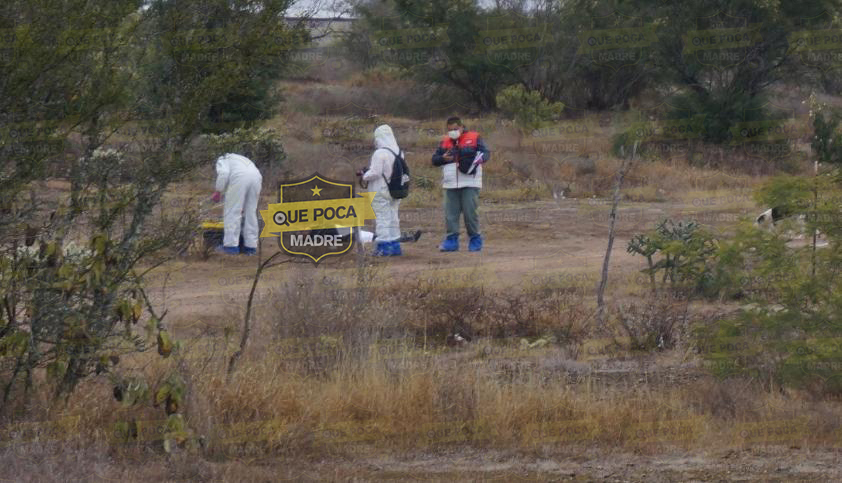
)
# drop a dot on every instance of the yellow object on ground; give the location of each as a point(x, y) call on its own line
point(213, 225)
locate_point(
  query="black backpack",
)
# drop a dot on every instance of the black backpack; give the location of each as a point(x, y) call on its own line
point(399, 183)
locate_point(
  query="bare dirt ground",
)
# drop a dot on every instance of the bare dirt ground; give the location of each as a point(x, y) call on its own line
point(769, 464)
point(766, 465)
point(527, 244)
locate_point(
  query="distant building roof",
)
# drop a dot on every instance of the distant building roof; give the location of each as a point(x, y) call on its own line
point(321, 19)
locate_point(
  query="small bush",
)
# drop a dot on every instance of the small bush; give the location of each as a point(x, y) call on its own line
point(656, 324)
point(262, 145)
point(686, 255)
point(528, 108)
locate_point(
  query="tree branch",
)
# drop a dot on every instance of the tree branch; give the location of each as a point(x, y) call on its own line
point(246, 322)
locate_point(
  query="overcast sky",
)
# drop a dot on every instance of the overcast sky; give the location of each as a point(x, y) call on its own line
point(318, 8)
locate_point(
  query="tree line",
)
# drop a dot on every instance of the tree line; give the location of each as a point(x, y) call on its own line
point(716, 58)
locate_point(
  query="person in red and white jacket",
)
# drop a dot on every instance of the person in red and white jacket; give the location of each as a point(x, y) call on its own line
point(461, 155)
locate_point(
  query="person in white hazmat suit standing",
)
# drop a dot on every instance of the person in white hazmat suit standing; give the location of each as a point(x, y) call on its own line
point(241, 181)
point(387, 226)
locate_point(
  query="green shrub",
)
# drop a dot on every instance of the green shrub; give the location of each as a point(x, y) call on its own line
point(528, 108)
point(788, 330)
point(681, 252)
point(262, 145)
point(827, 139)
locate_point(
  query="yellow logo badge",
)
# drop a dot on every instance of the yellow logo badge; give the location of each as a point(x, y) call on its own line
point(316, 217)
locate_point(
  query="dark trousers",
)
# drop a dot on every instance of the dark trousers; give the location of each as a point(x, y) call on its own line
point(461, 201)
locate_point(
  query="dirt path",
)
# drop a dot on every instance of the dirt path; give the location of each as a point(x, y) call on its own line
point(527, 245)
point(770, 464)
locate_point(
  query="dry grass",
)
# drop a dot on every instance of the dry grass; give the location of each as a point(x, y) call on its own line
point(268, 411)
point(517, 171)
point(317, 383)
point(354, 370)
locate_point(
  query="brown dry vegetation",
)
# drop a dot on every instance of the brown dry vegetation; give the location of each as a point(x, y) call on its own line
point(363, 372)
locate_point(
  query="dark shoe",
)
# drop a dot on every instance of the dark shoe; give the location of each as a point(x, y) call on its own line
point(228, 250)
point(249, 251)
point(450, 244)
point(410, 237)
point(396, 249)
point(475, 244)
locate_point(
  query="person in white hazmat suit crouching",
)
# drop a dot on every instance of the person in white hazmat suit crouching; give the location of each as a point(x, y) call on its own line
point(241, 181)
point(387, 231)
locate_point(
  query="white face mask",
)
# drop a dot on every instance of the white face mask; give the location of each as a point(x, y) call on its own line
point(453, 134)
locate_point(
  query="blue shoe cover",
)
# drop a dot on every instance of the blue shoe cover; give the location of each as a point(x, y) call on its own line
point(475, 244)
point(450, 244)
point(383, 249)
point(396, 249)
point(228, 250)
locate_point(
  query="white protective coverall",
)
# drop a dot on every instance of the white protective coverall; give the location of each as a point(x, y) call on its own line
point(387, 226)
point(239, 179)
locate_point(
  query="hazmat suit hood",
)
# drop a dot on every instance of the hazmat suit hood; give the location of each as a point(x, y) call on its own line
point(385, 138)
point(387, 228)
